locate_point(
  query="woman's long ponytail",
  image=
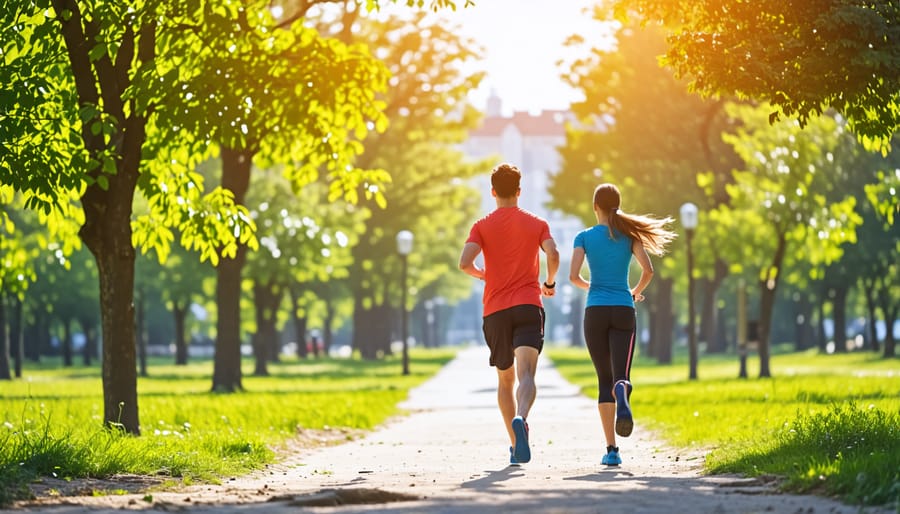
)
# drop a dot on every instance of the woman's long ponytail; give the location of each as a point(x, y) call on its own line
point(652, 232)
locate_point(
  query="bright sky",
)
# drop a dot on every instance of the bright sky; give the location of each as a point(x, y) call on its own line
point(523, 40)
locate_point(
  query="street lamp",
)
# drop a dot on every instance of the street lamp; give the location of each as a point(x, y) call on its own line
point(689, 221)
point(404, 247)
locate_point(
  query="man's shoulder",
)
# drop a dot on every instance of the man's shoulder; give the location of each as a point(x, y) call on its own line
point(532, 216)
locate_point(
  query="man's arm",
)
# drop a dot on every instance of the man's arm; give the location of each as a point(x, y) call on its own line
point(467, 260)
point(549, 247)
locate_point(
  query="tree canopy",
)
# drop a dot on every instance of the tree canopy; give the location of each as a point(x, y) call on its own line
point(802, 57)
point(100, 99)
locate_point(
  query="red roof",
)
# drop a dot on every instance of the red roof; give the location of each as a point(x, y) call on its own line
point(547, 123)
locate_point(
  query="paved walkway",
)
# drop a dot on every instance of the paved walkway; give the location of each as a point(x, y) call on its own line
point(451, 456)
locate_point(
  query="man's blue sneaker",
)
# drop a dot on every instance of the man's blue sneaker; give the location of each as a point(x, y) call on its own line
point(624, 420)
point(512, 458)
point(612, 456)
point(521, 451)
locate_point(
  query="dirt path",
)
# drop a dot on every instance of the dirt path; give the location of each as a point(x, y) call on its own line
point(451, 456)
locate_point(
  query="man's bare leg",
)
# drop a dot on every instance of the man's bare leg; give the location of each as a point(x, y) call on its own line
point(526, 367)
point(506, 382)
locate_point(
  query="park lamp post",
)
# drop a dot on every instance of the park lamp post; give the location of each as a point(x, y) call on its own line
point(689, 221)
point(404, 247)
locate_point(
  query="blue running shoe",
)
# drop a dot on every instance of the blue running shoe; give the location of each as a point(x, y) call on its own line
point(624, 420)
point(521, 451)
point(612, 456)
point(512, 458)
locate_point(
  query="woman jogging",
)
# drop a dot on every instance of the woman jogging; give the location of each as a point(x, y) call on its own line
point(609, 315)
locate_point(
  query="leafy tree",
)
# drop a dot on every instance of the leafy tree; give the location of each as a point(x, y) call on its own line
point(641, 129)
point(303, 102)
point(304, 241)
point(880, 241)
point(783, 203)
point(96, 102)
point(16, 271)
point(73, 296)
point(305, 111)
point(870, 257)
point(178, 282)
point(802, 57)
point(26, 238)
point(427, 195)
point(85, 86)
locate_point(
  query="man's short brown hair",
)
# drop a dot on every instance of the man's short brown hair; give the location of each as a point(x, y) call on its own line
point(505, 180)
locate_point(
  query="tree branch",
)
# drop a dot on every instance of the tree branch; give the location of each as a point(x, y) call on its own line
point(107, 77)
point(303, 8)
point(69, 16)
point(125, 55)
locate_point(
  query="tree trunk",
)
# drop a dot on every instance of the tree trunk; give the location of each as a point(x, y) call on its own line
point(89, 352)
point(67, 342)
point(890, 317)
point(274, 338)
point(871, 316)
point(821, 338)
point(361, 341)
point(662, 320)
point(260, 368)
point(34, 341)
point(839, 310)
point(267, 298)
point(179, 313)
point(236, 165)
point(140, 333)
point(299, 323)
point(709, 321)
point(426, 319)
point(107, 233)
point(4, 341)
point(328, 328)
point(382, 329)
point(373, 341)
point(767, 289)
point(17, 336)
point(742, 330)
point(766, 304)
point(803, 324)
point(107, 204)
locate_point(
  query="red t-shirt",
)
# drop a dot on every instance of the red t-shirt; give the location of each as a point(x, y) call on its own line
point(510, 239)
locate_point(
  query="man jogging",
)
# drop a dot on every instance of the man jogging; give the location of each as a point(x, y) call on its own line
point(511, 239)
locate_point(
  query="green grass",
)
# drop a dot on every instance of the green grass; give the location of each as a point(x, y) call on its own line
point(825, 423)
point(51, 419)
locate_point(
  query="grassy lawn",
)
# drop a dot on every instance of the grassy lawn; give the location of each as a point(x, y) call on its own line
point(826, 423)
point(51, 419)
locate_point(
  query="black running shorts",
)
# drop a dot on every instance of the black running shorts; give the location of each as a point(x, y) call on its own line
point(506, 330)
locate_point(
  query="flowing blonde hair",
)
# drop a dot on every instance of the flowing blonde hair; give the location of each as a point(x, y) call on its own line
point(652, 232)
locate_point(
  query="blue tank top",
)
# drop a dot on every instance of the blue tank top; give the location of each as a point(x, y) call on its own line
point(609, 261)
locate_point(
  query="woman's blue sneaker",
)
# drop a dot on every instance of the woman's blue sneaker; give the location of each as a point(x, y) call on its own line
point(624, 420)
point(512, 458)
point(521, 451)
point(612, 456)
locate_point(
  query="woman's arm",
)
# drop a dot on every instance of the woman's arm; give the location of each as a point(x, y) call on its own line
point(575, 269)
point(637, 248)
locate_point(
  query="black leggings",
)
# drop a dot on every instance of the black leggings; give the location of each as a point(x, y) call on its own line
point(609, 335)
